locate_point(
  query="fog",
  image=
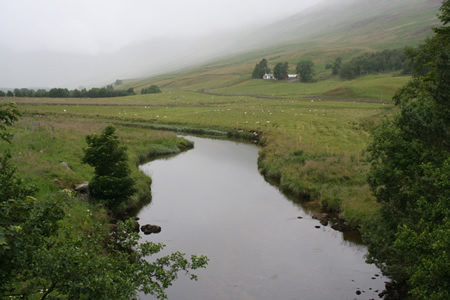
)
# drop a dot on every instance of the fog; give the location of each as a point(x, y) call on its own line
point(72, 43)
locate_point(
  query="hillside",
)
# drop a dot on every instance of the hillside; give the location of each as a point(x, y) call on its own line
point(321, 33)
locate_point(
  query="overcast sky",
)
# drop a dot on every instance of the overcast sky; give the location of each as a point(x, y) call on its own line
point(97, 27)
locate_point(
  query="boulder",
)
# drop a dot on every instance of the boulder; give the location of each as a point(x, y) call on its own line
point(136, 226)
point(321, 217)
point(343, 227)
point(83, 188)
point(149, 229)
point(324, 222)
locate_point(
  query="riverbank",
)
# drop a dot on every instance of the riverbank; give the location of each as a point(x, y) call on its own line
point(47, 152)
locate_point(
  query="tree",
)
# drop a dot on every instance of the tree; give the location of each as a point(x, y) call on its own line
point(151, 90)
point(42, 254)
point(9, 94)
point(78, 265)
point(348, 71)
point(277, 71)
point(18, 93)
point(336, 65)
point(261, 69)
point(305, 70)
point(256, 71)
point(2, 94)
point(8, 115)
point(280, 71)
point(59, 93)
point(25, 223)
point(409, 175)
point(41, 93)
point(112, 183)
point(75, 93)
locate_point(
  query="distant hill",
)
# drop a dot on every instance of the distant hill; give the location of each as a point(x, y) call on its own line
point(336, 28)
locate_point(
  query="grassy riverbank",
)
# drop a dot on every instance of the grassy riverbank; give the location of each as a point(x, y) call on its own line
point(47, 151)
point(313, 148)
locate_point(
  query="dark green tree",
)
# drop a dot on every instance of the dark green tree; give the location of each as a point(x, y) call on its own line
point(41, 93)
point(8, 115)
point(261, 69)
point(43, 256)
point(9, 94)
point(264, 67)
point(93, 93)
point(256, 71)
point(153, 89)
point(18, 93)
point(409, 175)
point(285, 69)
point(112, 183)
point(59, 93)
point(305, 70)
point(2, 94)
point(75, 93)
point(278, 71)
point(348, 71)
point(336, 67)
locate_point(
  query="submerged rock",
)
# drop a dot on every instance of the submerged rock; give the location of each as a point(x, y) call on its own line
point(136, 226)
point(324, 222)
point(149, 229)
point(343, 227)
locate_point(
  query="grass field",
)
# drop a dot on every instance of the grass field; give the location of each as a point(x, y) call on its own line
point(313, 148)
point(47, 151)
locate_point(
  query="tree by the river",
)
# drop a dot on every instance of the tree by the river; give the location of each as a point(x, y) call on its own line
point(45, 252)
point(112, 183)
point(410, 176)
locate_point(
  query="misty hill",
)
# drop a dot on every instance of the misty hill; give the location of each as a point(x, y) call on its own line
point(334, 28)
point(321, 33)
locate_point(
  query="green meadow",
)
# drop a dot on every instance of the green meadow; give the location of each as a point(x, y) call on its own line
point(312, 145)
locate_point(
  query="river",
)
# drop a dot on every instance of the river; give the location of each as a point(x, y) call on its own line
point(212, 201)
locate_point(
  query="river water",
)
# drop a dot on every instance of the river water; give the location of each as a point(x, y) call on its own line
point(212, 201)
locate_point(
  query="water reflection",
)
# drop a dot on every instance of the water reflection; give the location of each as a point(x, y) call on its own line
point(211, 200)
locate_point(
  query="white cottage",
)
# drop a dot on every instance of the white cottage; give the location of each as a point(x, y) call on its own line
point(268, 76)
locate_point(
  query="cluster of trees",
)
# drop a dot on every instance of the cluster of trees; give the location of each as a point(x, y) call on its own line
point(370, 63)
point(261, 69)
point(153, 89)
point(304, 69)
point(45, 254)
point(410, 176)
point(105, 92)
point(280, 71)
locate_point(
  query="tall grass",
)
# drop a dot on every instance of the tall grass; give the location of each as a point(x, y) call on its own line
point(48, 152)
